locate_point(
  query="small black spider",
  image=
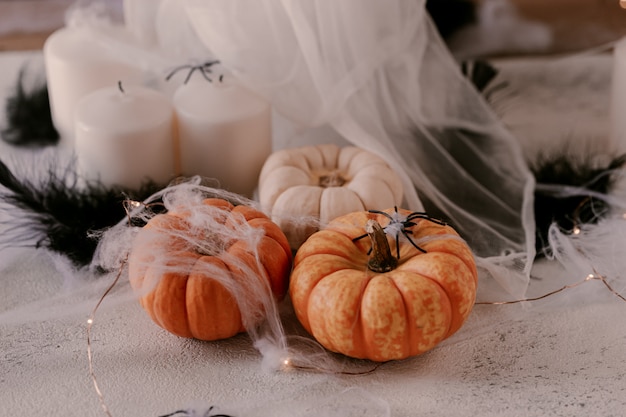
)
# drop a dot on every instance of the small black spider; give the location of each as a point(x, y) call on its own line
point(204, 68)
point(192, 413)
point(398, 226)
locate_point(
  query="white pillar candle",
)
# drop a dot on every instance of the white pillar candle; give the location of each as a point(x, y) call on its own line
point(124, 137)
point(225, 133)
point(76, 65)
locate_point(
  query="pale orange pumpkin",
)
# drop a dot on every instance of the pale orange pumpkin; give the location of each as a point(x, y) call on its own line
point(395, 302)
point(190, 292)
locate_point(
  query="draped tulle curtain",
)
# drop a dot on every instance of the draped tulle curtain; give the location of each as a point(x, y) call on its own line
point(379, 76)
point(371, 73)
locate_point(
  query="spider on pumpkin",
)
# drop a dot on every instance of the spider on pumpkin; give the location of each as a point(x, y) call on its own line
point(399, 225)
point(204, 68)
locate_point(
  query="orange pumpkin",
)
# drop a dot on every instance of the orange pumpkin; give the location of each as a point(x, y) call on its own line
point(383, 298)
point(196, 290)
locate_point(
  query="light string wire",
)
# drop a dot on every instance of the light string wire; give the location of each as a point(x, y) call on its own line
point(90, 323)
point(134, 204)
point(129, 205)
point(591, 277)
point(289, 364)
point(594, 276)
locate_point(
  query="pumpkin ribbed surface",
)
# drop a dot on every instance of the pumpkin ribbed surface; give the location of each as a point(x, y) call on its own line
point(197, 290)
point(324, 182)
point(355, 311)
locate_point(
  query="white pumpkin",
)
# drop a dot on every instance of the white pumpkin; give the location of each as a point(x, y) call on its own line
point(323, 182)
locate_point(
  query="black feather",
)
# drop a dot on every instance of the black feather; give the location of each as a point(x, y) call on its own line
point(58, 213)
point(479, 72)
point(451, 15)
point(569, 211)
point(29, 120)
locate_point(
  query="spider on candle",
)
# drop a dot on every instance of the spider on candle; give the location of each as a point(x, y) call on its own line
point(204, 69)
point(398, 225)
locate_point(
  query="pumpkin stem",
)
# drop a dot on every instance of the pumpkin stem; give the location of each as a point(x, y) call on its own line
point(333, 179)
point(381, 259)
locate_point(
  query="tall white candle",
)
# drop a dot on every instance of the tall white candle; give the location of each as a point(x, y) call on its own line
point(76, 65)
point(124, 137)
point(225, 133)
point(618, 97)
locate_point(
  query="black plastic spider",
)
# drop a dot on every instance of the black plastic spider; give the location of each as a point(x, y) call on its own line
point(204, 68)
point(192, 413)
point(401, 227)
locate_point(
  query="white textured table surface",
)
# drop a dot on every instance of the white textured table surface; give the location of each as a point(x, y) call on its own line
point(515, 360)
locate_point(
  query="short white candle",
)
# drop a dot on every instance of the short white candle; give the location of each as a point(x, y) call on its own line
point(225, 132)
point(124, 137)
point(618, 97)
point(76, 65)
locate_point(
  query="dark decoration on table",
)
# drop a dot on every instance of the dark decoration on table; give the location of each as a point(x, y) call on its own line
point(59, 213)
point(479, 72)
point(29, 121)
point(451, 15)
point(574, 201)
point(193, 413)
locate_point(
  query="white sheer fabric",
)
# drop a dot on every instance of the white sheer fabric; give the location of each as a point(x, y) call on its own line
point(378, 74)
point(373, 73)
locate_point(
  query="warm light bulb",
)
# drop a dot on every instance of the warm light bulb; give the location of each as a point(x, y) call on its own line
point(89, 321)
point(622, 3)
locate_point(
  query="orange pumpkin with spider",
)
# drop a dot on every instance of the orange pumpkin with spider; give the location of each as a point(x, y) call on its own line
point(395, 291)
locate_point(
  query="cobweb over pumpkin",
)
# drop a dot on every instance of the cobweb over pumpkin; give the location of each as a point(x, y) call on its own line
point(201, 241)
point(203, 236)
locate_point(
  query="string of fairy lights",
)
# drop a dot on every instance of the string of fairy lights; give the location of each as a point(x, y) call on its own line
point(289, 363)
